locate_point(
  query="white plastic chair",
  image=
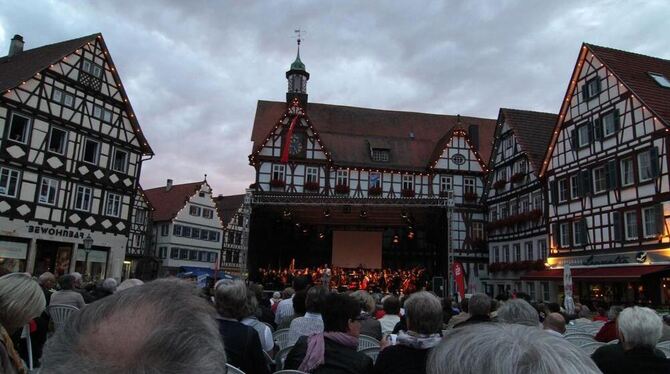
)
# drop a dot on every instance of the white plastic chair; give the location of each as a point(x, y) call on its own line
point(230, 369)
point(371, 352)
point(580, 341)
point(280, 357)
point(365, 341)
point(578, 335)
point(60, 314)
point(589, 348)
point(25, 334)
point(289, 372)
point(281, 338)
point(615, 341)
point(664, 347)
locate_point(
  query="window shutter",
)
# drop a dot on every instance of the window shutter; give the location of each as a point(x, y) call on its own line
point(571, 234)
point(557, 235)
point(578, 189)
point(653, 156)
point(583, 228)
point(616, 226)
point(574, 142)
point(616, 120)
point(660, 219)
point(598, 124)
point(585, 92)
point(598, 87)
point(553, 186)
point(585, 179)
point(591, 125)
point(612, 177)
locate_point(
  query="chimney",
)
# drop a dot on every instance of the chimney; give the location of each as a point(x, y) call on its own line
point(168, 186)
point(15, 46)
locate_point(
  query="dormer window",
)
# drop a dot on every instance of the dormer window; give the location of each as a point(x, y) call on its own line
point(591, 88)
point(380, 155)
point(661, 79)
point(92, 68)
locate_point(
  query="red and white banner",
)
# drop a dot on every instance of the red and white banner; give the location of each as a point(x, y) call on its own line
point(287, 140)
point(459, 278)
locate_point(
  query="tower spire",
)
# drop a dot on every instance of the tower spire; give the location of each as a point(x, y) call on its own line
point(297, 76)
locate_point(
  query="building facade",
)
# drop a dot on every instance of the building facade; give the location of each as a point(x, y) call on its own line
point(140, 261)
point(232, 212)
point(187, 230)
point(516, 200)
point(607, 168)
point(71, 152)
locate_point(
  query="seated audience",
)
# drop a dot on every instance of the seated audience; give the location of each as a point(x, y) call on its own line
point(601, 316)
point(311, 322)
point(608, 332)
point(285, 307)
point(161, 327)
point(665, 336)
point(242, 344)
point(554, 323)
point(21, 300)
point(369, 325)
point(251, 319)
point(502, 348)
point(479, 307)
point(78, 287)
point(105, 288)
point(67, 295)
point(463, 315)
point(287, 293)
point(128, 283)
point(423, 312)
point(334, 351)
point(583, 314)
point(263, 309)
point(47, 281)
point(520, 312)
point(639, 331)
point(391, 314)
point(298, 310)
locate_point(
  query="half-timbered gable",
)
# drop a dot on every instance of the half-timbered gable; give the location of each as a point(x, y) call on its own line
point(231, 211)
point(515, 197)
point(69, 139)
point(607, 165)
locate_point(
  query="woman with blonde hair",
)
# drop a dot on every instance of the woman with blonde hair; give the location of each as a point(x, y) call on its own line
point(21, 300)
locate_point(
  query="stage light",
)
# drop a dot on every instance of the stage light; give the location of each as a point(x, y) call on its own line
point(286, 213)
point(321, 236)
point(396, 239)
point(410, 235)
point(326, 212)
point(364, 213)
point(403, 214)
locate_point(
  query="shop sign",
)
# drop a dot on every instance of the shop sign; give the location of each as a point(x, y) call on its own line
point(93, 256)
point(591, 260)
point(52, 231)
point(13, 250)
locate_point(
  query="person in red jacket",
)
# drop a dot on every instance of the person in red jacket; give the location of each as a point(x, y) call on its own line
point(608, 332)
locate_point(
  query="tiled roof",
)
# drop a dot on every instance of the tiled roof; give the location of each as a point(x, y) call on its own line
point(533, 131)
point(346, 132)
point(632, 70)
point(227, 206)
point(18, 68)
point(168, 203)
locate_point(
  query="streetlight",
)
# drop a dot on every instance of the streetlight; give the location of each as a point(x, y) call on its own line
point(88, 243)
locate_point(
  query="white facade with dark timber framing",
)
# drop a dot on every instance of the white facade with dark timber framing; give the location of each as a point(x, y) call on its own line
point(515, 196)
point(70, 159)
point(140, 261)
point(607, 168)
point(234, 250)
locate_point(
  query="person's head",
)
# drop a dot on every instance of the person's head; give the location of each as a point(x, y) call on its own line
point(424, 313)
point(391, 305)
point(613, 312)
point(316, 295)
point(365, 301)
point(486, 348)
point(21, 299)
point(128, 283)
point(78, 279)
point(584, 312)
point(639, 327)
point(555, 322)
point(276, 296)
point(479, 305)
point(109, 285)
point(300, 283)
point(230, 297)
point(67, 281)
point(161, 327)
point(520, 312)
point(47, 280)
point(287, 293)
point(299, 299)
point(553, 307)
point(341, 313)
point(251, 304)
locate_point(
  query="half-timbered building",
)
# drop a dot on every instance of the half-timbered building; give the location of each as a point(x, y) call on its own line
point(607, 168)
point(71, 152)
point(366, 187)
point(187, 229)
point(515, 196)
point(235, 231)
point(140, 261)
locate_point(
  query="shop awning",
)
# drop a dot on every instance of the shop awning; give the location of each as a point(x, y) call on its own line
point(186, 271)
point(604, 273)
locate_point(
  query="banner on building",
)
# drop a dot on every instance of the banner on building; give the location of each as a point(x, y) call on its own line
point(459, 278)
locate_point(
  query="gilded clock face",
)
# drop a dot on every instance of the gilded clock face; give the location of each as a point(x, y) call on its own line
point(296, 146)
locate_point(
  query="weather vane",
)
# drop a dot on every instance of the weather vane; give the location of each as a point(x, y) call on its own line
point(299, 33)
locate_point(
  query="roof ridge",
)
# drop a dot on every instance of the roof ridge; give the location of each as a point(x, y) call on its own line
point(528, 111)
point(173, 186)
point(83, 38)
point(590, 46)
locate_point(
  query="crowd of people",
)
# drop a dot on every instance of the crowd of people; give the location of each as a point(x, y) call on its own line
point(396, 281)
point(170, 326)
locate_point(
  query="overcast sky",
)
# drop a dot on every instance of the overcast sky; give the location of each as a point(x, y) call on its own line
point(194, 70)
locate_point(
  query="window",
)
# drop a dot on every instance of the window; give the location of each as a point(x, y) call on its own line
point(583, 135)
point(193, 255)
point(496, 254)
point(162, 252)
point(651, 221)
point(574, 187)
point(529, 251)
point(113, 206)
point(57, 140)
point(183, 254)
point(563, 190)
point(579, 232)
point(541, 249)
point(591, 88)
point(477, 230)
point(381, 155)
point(164, 229)
point(278, 172)
point(186, 231)
point(207, 213)
point(445, 183)
point(204, 234)
point(630, 227)
point(238, 238)
point(194, 211)
point(120, 160)
point(645, 165)
point(176, 230)
point(195, 233)
point(508, 142)
point(660, 79)
point(375, 179)
point(9, 181)
point(240, 220)
point(408, 182)
point(545, 290)
point(102, 114)
point(610, 123)
point(599, 179)
point(19, 126)
point(62, 97)
point(513, 207)
point(92, 68)
point(48, 189)
point(537, 200)
point(91, 151)
point(213, 257)
point(502, 174)
point(140, 216)
point(82, 199)
point(504, 210)
point(530, 286)
point(517, 252)
point(213, 236)
point(203, 256)
point(564, 235)
point(627, 178)
point(342, 177)
point(493, 213)
point(174, 253)
point(231, 237)
point(312, 174)
point(506, 253)
point(468, 185)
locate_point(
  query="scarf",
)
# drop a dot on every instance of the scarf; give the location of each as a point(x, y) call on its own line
point(418, 341)
point(316, 348)
point(11, 352)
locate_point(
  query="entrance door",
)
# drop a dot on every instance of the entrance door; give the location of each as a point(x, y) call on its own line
point(53, 257)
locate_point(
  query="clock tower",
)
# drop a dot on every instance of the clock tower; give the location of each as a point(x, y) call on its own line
point(297, 78)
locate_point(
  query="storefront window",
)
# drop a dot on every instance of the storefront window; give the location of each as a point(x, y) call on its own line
point(94, 269)
point(53, 257)
point(13, 255)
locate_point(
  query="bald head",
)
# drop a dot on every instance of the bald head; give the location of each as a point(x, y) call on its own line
point(555, 322)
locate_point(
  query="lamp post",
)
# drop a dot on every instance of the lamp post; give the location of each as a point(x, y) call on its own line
point(88, 243)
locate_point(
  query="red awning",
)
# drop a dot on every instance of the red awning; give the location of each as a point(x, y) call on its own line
point(604, 273)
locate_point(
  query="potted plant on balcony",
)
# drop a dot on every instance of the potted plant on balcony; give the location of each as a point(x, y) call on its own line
point(375, 191)
point(535, 214)
point(277, 183)
point(407, 192)
point(517, 177)
point(341, 189)
point(445, 193)
point(311, 186)
point(470, 196)
point(499, 184)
